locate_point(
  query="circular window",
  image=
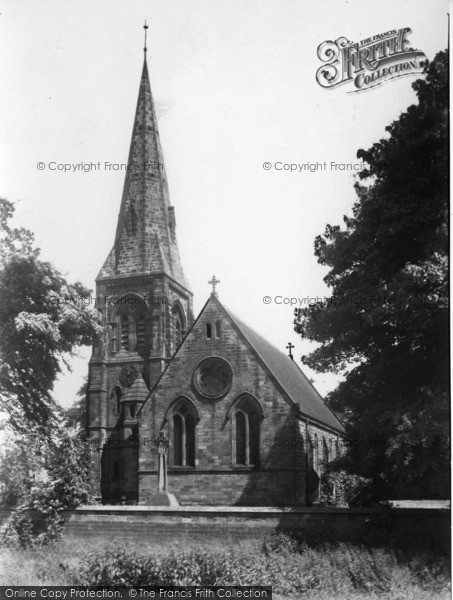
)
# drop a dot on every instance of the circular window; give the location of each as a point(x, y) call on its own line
point(213, 377)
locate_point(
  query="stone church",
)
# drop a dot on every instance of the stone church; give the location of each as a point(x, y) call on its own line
point(245, 426)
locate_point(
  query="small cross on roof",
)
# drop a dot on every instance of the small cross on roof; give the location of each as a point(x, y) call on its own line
point(214, 282)
point(290, 347)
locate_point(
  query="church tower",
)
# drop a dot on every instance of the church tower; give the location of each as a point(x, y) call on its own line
point(146, 306)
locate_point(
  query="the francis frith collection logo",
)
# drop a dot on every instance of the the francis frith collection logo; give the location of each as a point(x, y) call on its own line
point(368, 63)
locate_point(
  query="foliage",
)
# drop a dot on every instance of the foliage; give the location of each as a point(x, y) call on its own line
point(18, 531)
point(14, 241)
point(75, 415)
point(68, 482)
point(43, 318)
point(385, 327)
point(292, 566)
point(49, 481)
point(340, 488)
point(340, 569)
point(21, 461)
point(122, 567)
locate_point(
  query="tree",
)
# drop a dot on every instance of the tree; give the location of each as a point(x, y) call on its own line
point(76, 415)
point(385, 327)
point(50, 477)
point(21, 461)
point(43, 319)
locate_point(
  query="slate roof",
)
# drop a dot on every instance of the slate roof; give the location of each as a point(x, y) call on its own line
point(290, 377)
point(145, 240)
point(138, 392)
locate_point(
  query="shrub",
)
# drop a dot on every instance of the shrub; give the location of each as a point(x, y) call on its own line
point(281, 542)
point(20, 463)
point(18, 530)
point(116, 567)
point(63, 484)
point(339, 488)
point(120, 566)
point(291, 565)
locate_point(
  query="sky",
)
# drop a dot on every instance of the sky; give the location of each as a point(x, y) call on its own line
point(234, 86)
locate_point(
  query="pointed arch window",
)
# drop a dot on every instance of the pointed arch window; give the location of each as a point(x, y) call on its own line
point(133, 217)
point(178, 332)
point(208, 331)
point(130, 314)
point(113, 337)
point(178, 324)
point(125, 332)
point(140, 331)
point(184, 425)
point(325, 453)
point(315, 451)
point(117, 394)
point(247, 423)
point(218, 329)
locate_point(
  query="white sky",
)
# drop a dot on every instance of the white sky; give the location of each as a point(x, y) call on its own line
point(234, 83)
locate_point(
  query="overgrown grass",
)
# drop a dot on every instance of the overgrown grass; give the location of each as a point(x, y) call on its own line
point(294, 567)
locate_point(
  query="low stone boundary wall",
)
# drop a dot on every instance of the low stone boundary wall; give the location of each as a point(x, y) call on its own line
point(233, 524)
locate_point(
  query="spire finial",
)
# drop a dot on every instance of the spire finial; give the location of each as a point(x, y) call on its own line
point(214, 282)
point(145, 27)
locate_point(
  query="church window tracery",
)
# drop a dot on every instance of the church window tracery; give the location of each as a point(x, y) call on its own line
point(315, 453)
point(133, 217)
point(140, 331)
point(213, 378)
point(125, 332)
point(184, 424)
point(178, 325)
point(247, 422)
point(114, 337)
point(130, 316)
point(178, 332)
point(325, 453)
point(117, 394)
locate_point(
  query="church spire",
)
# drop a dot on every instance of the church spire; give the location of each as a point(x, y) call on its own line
point(145, 240)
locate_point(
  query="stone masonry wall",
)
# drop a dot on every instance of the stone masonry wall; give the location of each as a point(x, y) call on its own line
point(239, 524)
point(280, 478)
point(105, 422)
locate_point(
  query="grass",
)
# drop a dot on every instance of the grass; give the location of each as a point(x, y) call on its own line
point(295, 569)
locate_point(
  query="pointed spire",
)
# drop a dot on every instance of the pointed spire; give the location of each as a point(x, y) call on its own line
point(145, 241)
